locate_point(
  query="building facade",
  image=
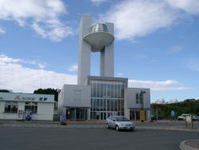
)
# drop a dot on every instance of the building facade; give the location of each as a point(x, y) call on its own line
point(98, 97)
point(17, 106)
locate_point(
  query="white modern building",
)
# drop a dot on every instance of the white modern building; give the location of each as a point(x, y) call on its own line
point(97, 97)
point(16, 106)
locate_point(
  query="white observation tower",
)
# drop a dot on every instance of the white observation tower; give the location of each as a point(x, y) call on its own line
point(95, 38)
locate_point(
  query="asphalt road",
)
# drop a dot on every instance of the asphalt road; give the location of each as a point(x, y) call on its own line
point(90, 139)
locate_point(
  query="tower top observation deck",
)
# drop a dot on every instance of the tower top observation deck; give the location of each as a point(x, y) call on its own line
point(99, 36)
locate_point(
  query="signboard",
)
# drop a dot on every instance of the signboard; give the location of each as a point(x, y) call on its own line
point(188, 121)
point(173, 115)
point(26, 97)
point(142, 115)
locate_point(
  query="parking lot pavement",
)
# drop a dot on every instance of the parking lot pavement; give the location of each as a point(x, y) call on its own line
point(95, 139)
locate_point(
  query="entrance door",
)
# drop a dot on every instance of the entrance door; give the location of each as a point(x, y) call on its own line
point(142, 115)
point(76, 113)
point(134, 115)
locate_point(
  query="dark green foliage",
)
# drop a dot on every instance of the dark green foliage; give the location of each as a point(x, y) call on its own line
point(188, 106)
point(48, 91)
point(4, 90)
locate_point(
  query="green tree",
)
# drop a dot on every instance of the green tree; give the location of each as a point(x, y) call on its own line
point(188, 106)
point(48, 91)
point(4, 90)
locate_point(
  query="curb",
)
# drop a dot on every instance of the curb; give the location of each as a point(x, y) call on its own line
point(184, 146)
point(171, 129)
point(88, 126)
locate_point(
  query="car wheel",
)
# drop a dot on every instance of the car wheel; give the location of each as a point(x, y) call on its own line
point(107, 126)
point(117, 128)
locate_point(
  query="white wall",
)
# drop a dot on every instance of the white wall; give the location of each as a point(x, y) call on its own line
point(45, 111)
point(75, 96)
point(9, 116)
point(130, 97)
point(130, 101)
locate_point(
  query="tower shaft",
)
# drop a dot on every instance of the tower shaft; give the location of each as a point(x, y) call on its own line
point(84, 51)
point(107, 61)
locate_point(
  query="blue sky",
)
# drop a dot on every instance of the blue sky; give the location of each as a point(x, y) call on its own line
point(156, 43)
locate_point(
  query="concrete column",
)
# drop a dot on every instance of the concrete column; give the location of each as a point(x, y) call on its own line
point(2, 106)
point(148, 115)
point(88, 114)
point(64, 111)
point(107, 61)
point(75, 114)
point(107, 56)
point(84, 51)
point(127, 113)
point(134, 115)
point(102, 53)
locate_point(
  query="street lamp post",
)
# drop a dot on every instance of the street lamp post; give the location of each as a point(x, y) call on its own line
point(142, 114)
point(142, 99)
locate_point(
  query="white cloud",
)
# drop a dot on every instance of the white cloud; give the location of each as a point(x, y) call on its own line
point(43, 16)
point(98, 1)
point(6, 59)
point(15, 76)
point(2, 31)
point(136, 18)
point(73, 68)
point(168, 85)
point(190, 6)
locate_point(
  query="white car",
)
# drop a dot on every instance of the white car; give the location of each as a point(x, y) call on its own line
point(119, 123)
point(183, 116)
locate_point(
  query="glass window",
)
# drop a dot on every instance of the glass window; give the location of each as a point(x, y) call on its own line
point(11, 107)
point(94, 89)
point(97, 106)
point(94, 104)
point(108, 90)
point(31, 107)
point(107, 96)
point(111, 89)
point(122, 119)
point(112, 105)
point(100, 90)
point(137, 98)
point(104, 104)
point(108, 105)
point(97, 90)
point(101, 104)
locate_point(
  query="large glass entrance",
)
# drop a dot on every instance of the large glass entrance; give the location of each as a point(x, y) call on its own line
point(76, 113)
point(107, 97)
point(102, 115)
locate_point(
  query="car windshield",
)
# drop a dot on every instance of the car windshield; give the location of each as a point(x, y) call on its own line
point(121, 119)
